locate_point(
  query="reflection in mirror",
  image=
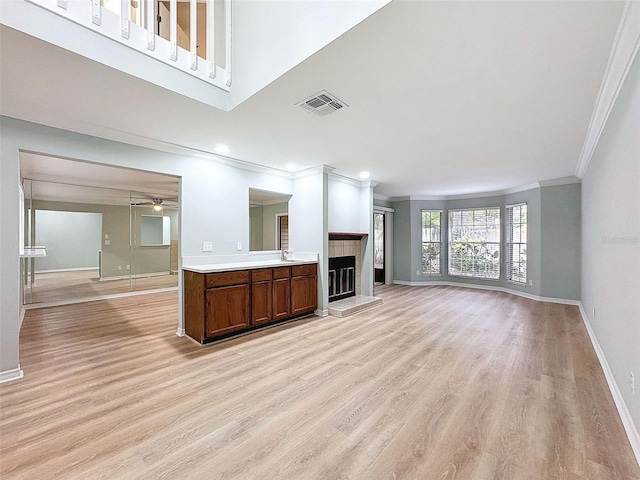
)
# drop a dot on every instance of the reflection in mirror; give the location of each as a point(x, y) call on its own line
point(154, 231)
point(268, 220)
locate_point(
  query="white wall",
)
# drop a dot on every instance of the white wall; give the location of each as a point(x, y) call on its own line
point(214, 203)
point(308, 224)
point(611, 241)
point(350, 210)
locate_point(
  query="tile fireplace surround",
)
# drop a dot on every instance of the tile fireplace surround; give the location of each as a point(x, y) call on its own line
point(343, 248)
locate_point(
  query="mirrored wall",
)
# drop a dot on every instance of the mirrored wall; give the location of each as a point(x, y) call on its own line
point(98, 241)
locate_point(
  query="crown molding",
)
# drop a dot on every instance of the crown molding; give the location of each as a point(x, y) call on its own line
point(624, 50)
point(316, 170)
point(496, 193)
point(559, 181)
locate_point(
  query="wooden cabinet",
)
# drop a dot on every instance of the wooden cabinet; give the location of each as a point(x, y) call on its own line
point(304, 289)
point(218, 305)
point(261, 296)
point(227, 309)
point(281, 293)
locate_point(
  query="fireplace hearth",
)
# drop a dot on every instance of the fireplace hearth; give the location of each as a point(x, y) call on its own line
point(342, 277)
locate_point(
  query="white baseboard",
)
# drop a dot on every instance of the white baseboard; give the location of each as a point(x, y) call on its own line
point(9, 375)
point(493, 288)
point(623, 411)
point(71, 301)
point(137, 275)
point(322, 313)
point(58, 270)
point(181, 332)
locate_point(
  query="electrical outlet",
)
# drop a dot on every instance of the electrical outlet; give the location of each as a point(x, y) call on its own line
point(632, 382)
point(128, 267)
point(418, 272)
point(239, 246)
point(119, 267)
point(107, 242)
point(531, 283)
point(207, 246)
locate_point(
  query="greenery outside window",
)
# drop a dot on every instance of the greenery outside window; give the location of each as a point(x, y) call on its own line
point(431, 242)
point(517, 243)
point(474, 243)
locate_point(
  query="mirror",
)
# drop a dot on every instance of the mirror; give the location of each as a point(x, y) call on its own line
point(268, 220)
point(154, 231)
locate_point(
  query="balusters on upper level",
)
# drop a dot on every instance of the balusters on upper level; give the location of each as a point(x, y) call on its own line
point(163, 29)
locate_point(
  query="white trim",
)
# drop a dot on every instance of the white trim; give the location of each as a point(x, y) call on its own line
point(73, 301)
point(437, 283)
point(496, 193)
point(319, 169)
point(9, 375)
point(554, 182)
point(379, 209)
point(180, 332)
point(78, 269)
point(524, 188)
point(384, 198)
point(321, 313)
point(624, 50)
point(623, 411)
point(137, 275)
point(336, 177)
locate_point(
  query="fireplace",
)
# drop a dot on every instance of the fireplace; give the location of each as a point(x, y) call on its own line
point(342, 277)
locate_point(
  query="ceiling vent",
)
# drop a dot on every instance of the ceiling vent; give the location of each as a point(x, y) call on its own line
point(322, 103)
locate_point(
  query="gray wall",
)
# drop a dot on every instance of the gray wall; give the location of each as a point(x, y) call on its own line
point(122, 250)
point(255, 228)
point(72, 239)
point(269, 224)
point(611, 241)
point(560, 235)
point(554, 238)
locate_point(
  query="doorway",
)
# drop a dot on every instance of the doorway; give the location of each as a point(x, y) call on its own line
point(378, 247)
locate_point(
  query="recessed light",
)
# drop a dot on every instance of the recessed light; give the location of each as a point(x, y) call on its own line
point(222, 148)
point(364, 175)
point(292, 167)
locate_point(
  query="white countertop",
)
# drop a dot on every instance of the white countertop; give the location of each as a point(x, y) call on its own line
point(227, 267)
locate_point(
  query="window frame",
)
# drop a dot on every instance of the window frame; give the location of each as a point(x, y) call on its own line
point(422, 243)
point(451, 242)
point(509, 243)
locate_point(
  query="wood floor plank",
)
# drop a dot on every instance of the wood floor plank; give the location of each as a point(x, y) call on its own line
point(436, 383)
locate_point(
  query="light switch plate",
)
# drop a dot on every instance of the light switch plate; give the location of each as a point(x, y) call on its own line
point(207, 246)
point(239, 246)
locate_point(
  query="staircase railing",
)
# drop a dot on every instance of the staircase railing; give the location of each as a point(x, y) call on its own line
point(142, 25)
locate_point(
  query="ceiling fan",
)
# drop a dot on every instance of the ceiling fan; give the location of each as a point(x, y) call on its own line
point(156, 203)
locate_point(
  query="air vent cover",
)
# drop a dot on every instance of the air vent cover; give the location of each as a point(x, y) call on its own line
point(322, 103)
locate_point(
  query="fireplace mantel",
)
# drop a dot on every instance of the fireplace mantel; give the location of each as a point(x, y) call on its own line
point(346, 236)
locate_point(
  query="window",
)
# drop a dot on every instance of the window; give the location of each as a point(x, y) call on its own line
point(474, 243)
point(517, 243)
point(431, 242)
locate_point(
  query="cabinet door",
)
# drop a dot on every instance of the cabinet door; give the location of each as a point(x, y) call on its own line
point(281, 298)
point(227, 309)
point(261, 293)
point(304, 294)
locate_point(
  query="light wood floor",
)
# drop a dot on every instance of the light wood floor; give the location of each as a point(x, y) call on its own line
point(58, 286)
point(437, 383)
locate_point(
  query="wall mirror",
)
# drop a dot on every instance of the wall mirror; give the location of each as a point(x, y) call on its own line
point(268, 220)
point(155, 231)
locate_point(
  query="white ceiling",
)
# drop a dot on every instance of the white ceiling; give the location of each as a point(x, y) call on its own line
point(444, 98)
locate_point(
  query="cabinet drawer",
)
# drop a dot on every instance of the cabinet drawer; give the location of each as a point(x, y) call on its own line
point(261, 275)
point(227, 278)
point(299, 270)
point(281, 272)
